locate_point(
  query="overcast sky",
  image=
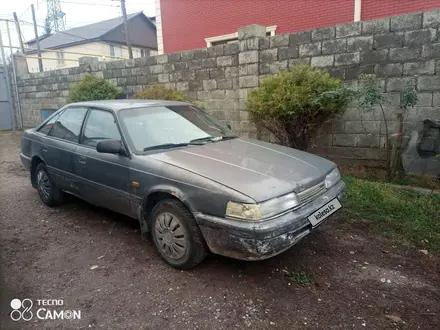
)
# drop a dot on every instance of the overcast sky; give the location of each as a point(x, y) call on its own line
point(78, 13)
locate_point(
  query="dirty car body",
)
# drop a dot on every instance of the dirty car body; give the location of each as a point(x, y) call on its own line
point(249, 199)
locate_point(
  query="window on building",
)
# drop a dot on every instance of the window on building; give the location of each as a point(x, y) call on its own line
point(224, 42)
point(60, 57)
point(115, 51)
point(233, 37)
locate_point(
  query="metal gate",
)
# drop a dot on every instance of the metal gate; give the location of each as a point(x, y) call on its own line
point(5, 106)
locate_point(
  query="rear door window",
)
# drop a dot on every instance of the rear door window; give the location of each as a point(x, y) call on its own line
point(68, 125)
point(45, 129)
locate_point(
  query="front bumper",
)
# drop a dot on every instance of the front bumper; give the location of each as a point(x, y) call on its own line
point(26, 161)
point(247, 240)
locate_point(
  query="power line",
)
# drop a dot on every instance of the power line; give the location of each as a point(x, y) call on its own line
point(24, 12)
point(59, 32)
point(89, 4)
point(133, 10)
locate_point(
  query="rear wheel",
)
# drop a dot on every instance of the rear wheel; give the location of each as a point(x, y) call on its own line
point(49, 193)
point(176, 235)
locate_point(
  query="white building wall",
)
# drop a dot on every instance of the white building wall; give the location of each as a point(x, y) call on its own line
point(159, 27)
point(98, 49)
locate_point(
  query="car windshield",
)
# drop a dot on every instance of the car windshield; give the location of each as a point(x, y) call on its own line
point(164, 127)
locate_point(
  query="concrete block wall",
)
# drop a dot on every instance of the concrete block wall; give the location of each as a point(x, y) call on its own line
point(397, 49)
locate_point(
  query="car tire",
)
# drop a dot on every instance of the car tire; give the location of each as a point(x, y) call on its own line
point(49, 193)
point(177, 236)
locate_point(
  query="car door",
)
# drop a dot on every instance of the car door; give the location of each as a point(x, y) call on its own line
point(59, 147)
point(103, 178)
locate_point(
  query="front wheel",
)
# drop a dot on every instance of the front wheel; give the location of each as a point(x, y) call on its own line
point(176, 235)
point(49, 193)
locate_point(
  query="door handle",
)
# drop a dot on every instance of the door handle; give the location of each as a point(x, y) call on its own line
point(44, 149)
point(82, 159)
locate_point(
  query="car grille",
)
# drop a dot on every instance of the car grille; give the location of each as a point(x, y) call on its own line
point(310, 193)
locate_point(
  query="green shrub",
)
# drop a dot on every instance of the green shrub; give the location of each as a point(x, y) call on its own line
point(294, 104)
point(93, 88)
point(160, 92)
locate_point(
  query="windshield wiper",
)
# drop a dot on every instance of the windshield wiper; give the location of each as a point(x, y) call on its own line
point(214, 138)
point(206, 138)
point(195, 142)
point(171, 145)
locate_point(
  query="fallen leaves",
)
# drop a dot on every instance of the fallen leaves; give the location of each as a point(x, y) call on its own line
point(394, 318)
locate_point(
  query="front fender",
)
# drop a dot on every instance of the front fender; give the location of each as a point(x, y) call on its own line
point(173, 191)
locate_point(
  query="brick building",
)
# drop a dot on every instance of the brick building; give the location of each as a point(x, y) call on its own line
point(189, 24)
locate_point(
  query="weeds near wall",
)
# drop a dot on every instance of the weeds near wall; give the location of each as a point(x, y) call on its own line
point(370, 96)
point(160, 92)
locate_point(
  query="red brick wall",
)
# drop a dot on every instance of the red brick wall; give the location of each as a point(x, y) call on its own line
point(372, 9)
point(186, 23)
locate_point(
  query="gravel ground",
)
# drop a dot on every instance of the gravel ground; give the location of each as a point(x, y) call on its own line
point(358, 281)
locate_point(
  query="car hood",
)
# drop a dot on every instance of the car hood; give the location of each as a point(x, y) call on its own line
point(257, 169)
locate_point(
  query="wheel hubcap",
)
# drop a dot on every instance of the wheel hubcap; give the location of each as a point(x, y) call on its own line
point(170, 235)
point(43, 184)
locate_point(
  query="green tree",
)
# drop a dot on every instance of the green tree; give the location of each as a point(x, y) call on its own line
point(294, 104)
point(93, 88)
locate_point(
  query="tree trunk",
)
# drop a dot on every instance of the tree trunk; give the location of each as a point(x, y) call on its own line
point(387, 144)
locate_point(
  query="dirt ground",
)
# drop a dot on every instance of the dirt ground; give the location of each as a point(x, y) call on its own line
point(359, 281)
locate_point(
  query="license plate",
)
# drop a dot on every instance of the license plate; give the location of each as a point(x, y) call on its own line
point(324, 212)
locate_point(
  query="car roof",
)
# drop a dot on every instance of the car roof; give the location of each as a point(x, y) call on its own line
point(116, 105)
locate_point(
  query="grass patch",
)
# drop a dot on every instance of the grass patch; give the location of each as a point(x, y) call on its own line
point(406, 216)
point(298, 276)
point(380, 175)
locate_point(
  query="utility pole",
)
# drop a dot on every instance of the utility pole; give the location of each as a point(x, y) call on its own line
point(14, 72)
point(40, 61)
point(17, 27)
point(127, 35)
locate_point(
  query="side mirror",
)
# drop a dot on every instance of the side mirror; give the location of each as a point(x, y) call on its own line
point(111, 147)
point(229, 126)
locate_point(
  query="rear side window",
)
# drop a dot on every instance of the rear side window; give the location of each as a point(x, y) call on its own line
point(68, 125)
point(100, 125)
point(45, 129)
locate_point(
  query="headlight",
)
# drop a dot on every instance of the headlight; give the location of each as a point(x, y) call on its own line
point(243, 211)
point(279, 205)
point(332, 178)
point(255, 212)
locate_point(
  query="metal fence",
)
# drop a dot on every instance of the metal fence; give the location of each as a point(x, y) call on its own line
point(6, 113)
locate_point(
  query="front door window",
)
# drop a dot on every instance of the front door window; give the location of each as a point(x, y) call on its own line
point(100, 125)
